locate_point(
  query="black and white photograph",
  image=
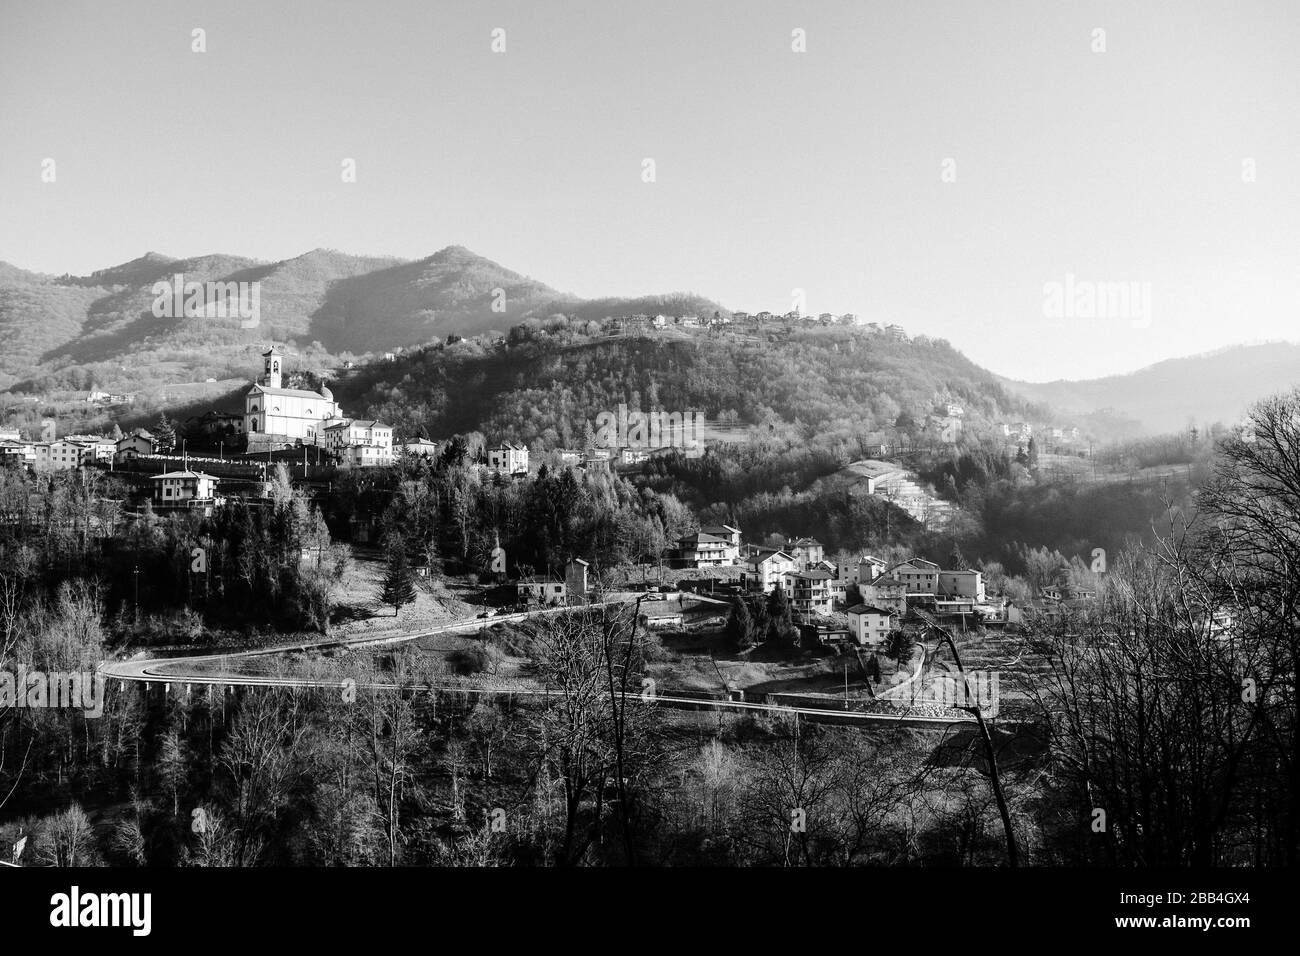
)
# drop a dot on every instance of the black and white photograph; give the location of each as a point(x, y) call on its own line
point(453, 448)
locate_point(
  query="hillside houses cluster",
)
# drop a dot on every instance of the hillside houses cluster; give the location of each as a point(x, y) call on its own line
point(875, 596)
point(645, 322)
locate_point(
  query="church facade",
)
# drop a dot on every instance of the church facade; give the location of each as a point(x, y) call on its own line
point(286, 413)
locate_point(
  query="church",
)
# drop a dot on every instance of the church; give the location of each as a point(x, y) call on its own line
point(286, 413)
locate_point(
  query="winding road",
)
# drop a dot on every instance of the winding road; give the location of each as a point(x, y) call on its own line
point(214, 670)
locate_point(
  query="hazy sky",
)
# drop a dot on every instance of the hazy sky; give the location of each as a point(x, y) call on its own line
point(775, 170)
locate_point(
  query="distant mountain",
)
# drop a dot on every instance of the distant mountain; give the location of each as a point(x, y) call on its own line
point(1214, 386)
point(75, 332)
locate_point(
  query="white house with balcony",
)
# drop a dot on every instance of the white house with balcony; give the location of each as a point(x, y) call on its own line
point(729, 534)
point(181, 489)
point(809, 592)
point(361, 443)
point(700, 550)
point(765, 568)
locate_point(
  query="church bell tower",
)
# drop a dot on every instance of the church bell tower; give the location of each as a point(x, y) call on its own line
point(272, 365)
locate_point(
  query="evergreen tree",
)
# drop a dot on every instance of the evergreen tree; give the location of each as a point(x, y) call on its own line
point(780, 624)
point(740, 626)
point(956, 560)
point(164, 433)
point(899, 647)
point(399, 580)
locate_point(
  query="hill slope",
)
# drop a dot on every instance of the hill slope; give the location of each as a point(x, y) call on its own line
point(549, 378)
point(1215, 386)
point(75, 332)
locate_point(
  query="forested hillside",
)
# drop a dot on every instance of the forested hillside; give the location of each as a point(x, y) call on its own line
point(826, 386)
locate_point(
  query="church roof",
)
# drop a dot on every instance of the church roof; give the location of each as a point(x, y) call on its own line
point(288, 392)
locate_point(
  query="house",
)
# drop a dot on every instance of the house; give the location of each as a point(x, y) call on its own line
point(859, 571)
point(689, 321)
point(421, 448)
point(660, 321)
point(962, 584)
point(920, 576)
point(10, 434)
point(896, 332)
point(95, 447)
point(178, 489)
point(15, 450)
point(540, 588)
point(885, 592)
point(139, 442)
point(953, 410)
point(805, 551)
point(729, 534)
point(291, 413)
point(764, 317)
point(363, 443)
point(367, 456)
point(765, 568)
point(849, 318)
point(809, 592)
point(826, 318)
point(870, 624)
point(814, 634)
point(216, 425)
point(60, 455)
point(633, 456)
point(700, 550)
point(575, 580)
point(508, 458)
point(740, 317)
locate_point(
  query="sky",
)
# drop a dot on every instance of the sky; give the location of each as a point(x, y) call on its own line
point(946, 166)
